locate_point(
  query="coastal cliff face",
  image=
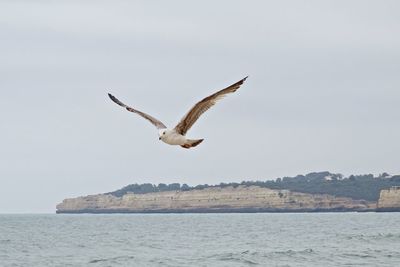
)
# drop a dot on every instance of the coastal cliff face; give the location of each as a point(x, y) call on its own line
point(213, 199)
point(389, 199)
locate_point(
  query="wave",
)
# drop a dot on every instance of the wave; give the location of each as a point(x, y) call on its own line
point(113, 259)
point(376, 237)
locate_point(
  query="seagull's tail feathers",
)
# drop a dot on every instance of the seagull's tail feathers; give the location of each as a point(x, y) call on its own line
point(192, 143)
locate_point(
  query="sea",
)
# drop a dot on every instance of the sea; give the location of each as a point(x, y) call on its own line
point(255, 239)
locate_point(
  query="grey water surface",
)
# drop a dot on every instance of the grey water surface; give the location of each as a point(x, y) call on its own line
point(263, 239)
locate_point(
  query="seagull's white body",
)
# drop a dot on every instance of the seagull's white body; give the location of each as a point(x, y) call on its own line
point(177, 136)
point(171, 137)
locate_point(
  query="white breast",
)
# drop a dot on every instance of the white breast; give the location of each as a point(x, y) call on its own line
point(173, 138)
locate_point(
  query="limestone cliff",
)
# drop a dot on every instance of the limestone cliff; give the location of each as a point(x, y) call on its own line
point(213, 199)
point(389, 199)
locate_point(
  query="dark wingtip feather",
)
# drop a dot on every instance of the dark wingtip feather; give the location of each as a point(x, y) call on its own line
point(244, 79)
point(115, 100)
point(241, 81)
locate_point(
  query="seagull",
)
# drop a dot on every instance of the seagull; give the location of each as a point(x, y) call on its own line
point(177, 136)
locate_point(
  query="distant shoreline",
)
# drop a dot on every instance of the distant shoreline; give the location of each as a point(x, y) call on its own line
point(329, 193)
point(192, 211)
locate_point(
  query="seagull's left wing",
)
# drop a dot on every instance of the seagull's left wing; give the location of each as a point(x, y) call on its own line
point(194, 114)
point(151, 119)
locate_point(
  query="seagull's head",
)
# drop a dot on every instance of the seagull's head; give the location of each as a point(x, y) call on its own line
point(162, 133)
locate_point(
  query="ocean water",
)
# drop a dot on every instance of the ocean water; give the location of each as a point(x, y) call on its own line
point(263, 239)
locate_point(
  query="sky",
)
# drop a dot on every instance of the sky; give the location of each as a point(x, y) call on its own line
point(323, 93)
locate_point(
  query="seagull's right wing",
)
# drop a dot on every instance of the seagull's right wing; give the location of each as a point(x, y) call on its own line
point(151, 119)
point(195, 112)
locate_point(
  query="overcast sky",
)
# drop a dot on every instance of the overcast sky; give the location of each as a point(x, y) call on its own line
point(323, 93)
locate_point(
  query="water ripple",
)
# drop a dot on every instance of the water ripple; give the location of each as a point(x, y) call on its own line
point(113, 259)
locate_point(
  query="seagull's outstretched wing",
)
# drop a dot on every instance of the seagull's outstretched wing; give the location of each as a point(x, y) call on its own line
point(151, 119)
point(192, 116)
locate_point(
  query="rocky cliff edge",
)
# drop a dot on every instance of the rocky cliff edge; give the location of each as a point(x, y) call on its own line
point(213, 199)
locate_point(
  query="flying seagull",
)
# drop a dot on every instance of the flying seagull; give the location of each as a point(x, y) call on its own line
point(177, 136)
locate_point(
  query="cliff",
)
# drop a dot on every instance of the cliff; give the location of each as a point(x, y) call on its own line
point(389, 199)
point(213, 199)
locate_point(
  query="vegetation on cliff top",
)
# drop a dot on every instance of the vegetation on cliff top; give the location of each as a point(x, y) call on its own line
point(364, 186)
